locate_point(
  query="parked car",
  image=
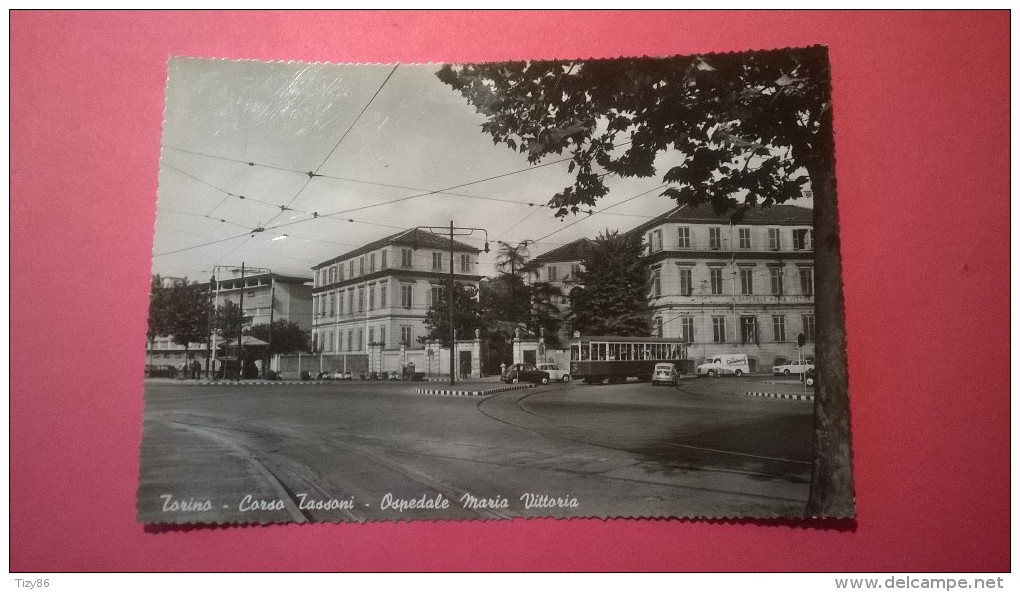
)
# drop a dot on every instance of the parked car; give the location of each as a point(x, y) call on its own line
point(555, 373)
point(525, 373)
point(665, 373)
point(795, 367)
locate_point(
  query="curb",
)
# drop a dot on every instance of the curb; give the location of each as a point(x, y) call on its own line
point(453, 393)
point(780, 396)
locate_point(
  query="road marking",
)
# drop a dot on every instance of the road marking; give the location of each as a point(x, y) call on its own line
point(779, 396)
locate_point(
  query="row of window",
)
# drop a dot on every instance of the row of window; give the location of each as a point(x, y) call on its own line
point(336, 303)
point(748, 328)
point(367, 264)
point(799, 239)
point(552, 273)
point(324, 341)
point(714, 284)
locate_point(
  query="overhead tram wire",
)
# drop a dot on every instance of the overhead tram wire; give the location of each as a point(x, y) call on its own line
point(590, 214)
point(312, 174)
point(350, 179)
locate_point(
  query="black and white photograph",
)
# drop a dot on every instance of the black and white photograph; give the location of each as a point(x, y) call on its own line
point(576, 288)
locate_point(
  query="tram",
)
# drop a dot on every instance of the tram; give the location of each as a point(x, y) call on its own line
point(596, 359)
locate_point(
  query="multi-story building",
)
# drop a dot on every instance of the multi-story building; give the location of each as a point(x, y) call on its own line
point(267, 295)
point(559, 267)
point(380, 293)
point(733, 288)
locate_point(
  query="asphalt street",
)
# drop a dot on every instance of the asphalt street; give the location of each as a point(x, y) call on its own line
point(362, 451)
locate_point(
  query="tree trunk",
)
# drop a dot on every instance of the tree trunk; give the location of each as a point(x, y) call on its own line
point(832, 493)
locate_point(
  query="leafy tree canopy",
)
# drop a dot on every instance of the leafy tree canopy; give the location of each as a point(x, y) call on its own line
point(615, 283)
point(467, 315)
point(229, 320)
point(737, 129)
point(286, 338)
point(179, 309)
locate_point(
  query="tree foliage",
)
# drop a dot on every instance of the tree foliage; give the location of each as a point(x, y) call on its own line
point(179, 309)
point(286, 338)
point(467, 315)
point(613, 298)
point(514, 259)
point(229, 320)
point(737, 130)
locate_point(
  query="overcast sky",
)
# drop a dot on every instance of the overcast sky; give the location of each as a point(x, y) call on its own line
point(288, 118)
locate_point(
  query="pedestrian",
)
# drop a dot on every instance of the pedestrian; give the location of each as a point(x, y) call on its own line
point(196, 369)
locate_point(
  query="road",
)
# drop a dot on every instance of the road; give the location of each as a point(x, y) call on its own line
point(377, 451)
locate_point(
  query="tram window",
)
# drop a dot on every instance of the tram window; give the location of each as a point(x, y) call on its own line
point(574, 352)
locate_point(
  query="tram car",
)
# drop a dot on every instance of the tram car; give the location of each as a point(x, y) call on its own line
point(596, 359)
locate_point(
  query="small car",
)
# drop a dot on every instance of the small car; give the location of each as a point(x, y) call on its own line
point(555, 373)
point(525, 373)
point(665, 373)
point(794, 367)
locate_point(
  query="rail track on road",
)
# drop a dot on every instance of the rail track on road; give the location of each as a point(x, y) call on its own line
point(521, 417)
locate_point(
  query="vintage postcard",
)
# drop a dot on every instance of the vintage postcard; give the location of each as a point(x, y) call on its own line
point(579, 288)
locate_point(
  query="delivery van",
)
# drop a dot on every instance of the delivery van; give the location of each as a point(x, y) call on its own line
point(735, 364)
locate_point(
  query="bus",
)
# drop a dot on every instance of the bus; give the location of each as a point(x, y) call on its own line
point(596, 359)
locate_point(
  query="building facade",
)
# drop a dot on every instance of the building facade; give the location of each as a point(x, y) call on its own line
point(267, 295)
point(559, 268)
point(746, 287)
point(379, 294)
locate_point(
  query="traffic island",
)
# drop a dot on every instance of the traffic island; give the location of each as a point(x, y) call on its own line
point(474, 393)
point(780, 396)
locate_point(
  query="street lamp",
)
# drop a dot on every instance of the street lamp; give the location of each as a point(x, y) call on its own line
point(461, 231)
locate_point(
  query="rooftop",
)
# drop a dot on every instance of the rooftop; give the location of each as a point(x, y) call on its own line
point(777, 214)
point(572, 251)
point(414, 237)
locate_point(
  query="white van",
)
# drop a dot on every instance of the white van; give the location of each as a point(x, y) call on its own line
point(735, 364)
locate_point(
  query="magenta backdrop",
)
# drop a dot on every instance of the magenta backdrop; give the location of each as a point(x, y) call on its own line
point(922, 140)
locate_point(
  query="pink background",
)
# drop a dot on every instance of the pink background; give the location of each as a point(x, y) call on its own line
point(922, 113)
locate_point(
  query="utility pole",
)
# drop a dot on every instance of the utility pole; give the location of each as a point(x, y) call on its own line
point(466, 231)
point(272, 309)
point(240, 325)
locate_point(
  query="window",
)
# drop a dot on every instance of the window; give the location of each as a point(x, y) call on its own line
point(747, 280)
point(778, 328)
point(551, 270)
point(350, 301)
point(684, 237)
point(405, 257)
point(361, 266)
point(745, 237)
point(687, 329)
point(339, 273)
point(809, 326)
point(435, 294)
point(361, 338)
point(655, 241)
point(715, 278)
point(719, 329)
point(350, 340)
point(807, 281)
point(656, 283)
point(332, 305)
point(350, 267)
point(715, 238)
point(776, 279)
point(749, 329)
point(332, 274)
point(327, 341)
point(774, 239)
point(437, 261)
point(371, 263)
point(575, 268)
point(405, 335)
point(686, 286)
point(405, 295)
point(657, 327)
point(382, 257)
point(801, 238)
point(371, 297)
point(465, 263)
point(315, 342)
point(382, 295)
point(371, 334)
point(361, 299)
point(382, 334)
